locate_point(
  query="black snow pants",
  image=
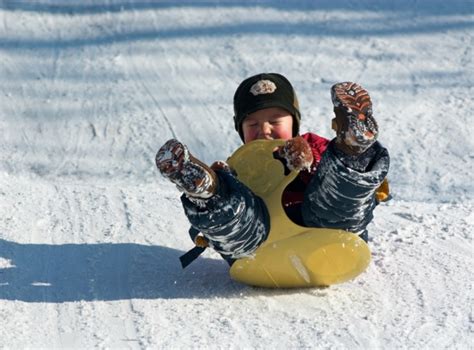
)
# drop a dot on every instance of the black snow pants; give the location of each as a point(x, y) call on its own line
point(340, 195)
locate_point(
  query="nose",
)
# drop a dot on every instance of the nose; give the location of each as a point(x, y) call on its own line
point(266, 130)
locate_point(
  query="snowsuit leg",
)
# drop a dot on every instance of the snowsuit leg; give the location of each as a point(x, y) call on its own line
point(342, 193)
point(235, 221)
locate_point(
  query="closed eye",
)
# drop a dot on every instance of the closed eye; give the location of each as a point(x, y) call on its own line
point(277, 120)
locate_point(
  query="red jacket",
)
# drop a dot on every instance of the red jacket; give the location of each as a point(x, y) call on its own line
point(293, 195)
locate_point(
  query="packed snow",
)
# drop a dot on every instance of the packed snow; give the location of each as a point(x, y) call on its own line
point(90, 233)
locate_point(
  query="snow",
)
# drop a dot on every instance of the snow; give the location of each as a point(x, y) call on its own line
point(90, 233)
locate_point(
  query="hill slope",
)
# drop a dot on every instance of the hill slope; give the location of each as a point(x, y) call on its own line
point(90, 234)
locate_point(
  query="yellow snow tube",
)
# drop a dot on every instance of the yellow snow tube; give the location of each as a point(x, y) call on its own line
point(292, 256)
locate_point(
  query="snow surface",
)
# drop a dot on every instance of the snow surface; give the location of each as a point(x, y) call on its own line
point(90, 233)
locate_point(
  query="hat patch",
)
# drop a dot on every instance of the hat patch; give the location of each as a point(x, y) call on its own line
point(263, 87)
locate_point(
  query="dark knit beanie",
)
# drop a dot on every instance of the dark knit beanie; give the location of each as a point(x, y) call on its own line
point(265, 90)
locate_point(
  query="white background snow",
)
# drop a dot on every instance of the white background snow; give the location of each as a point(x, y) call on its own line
point(90, 233)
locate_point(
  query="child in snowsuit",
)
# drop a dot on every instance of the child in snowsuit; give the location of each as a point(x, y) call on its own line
point(335, 187)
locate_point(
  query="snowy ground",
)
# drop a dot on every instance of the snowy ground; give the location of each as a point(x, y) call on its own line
point(90, 234)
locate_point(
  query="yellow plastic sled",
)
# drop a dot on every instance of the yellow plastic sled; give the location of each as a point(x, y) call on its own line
point(292, 256)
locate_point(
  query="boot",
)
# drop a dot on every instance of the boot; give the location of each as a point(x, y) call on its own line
point(355, 126)
point(189, 174)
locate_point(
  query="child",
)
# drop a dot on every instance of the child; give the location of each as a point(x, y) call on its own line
point(334, 189)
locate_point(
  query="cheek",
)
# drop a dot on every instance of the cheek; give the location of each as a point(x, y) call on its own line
point(284, 132)
point(249, 134)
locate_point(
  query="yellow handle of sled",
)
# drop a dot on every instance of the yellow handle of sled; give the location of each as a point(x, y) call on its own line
point(292, 256)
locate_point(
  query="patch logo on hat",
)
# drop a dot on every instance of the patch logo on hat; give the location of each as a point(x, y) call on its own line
point(263, 87)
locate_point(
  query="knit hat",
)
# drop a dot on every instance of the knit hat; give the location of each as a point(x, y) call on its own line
point(261, 91)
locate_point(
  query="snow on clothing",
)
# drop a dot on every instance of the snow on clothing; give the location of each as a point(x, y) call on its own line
point(235, 221)
point(343, 197)
point(294, 193)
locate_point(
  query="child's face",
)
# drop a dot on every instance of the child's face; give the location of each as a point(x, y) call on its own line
point(268, 124)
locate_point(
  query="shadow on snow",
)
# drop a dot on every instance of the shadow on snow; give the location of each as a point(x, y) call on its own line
point(438, 7)
point(106, 271)
point(337, 28)
point(403, 18)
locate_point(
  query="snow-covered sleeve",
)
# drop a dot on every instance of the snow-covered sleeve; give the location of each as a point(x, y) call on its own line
point(341, 194)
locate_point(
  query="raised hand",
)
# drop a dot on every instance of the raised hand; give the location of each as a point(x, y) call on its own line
point(297, 153)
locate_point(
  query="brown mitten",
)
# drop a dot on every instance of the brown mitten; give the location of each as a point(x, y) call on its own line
point(297, 153)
